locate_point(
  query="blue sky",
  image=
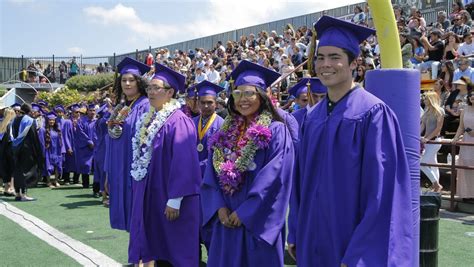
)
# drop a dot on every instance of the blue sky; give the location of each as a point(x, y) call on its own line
point(100, 28)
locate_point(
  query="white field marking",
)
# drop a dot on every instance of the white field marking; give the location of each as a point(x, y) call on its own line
point(80, 252)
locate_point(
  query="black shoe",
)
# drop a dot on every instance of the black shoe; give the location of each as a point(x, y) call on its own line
point(96, 195)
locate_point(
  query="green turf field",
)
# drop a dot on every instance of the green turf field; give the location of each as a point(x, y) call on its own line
point(73, 211)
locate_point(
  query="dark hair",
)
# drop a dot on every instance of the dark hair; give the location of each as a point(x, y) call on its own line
point(265, 104)
point(469, 94)
point(141, 85)
point(25, 108)
point(47, 136)
point(349, 54)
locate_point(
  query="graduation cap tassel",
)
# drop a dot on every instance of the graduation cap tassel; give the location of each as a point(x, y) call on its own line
point(312, 51)
point(311, 101)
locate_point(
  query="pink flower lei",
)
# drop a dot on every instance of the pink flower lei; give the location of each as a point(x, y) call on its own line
point(234, 152)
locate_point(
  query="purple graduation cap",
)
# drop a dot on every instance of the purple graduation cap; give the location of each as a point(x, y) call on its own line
point(129, 65)
point(206, 88)
point(43, 103)
point(75, 108)
point(91, 106)
point(51, 116)
point(102, 109)
point(36, 107)
point(248, 73)
point(59, 108)
point(341, 34)
point(302, 87)
point(16, 106)
point(191, 91)
point(174, 79)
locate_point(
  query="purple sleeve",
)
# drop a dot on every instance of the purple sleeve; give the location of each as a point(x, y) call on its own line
point(385, 232)
point(82, 135)
point(67, 135)
point(184, 180)
point(211, 194)
point(263, 212)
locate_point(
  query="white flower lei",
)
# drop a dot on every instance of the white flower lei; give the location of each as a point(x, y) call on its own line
point(145, 134)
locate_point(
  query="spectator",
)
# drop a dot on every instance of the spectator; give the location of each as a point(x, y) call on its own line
point(200, 76)
point(443, 20)
point(73, 68)
point(431, 124)
point(447, 73)
point(464, 69)
point(399, 14)
point(465, 183)
point(213, 75)
point(416, 29)
point(416, 16)
point(461, 88)
point(359, 16)
point(451, 46)
point(360, 76)
point(407, 50)
point(441, 90)
point(63, 70)
point(466, 18)
point(100, 68)
point(418, 52)
point(466, 49)
point(459, 28)
point(251, 42)
point(457, 6)
point(222, 81)
point(435, 48)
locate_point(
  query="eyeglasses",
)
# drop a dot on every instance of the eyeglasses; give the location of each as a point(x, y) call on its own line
point(237, 94)
point(155, 89)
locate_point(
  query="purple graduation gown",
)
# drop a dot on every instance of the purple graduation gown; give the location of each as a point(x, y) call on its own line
point(216, 125)
point(353, 201)
point(299, 114)
point(173, 172)
point(82, 140)
point(68, 141)
point(99, 150)
point(53, 155)
point(261, 205)
point(118, 160)
point(291, 124)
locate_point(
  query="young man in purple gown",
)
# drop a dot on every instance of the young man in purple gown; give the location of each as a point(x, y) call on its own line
point(353, 193)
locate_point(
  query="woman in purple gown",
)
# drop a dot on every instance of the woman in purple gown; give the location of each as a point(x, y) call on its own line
point(164, 227)
point(132, 103)
point(247, 182)
point(53, 149)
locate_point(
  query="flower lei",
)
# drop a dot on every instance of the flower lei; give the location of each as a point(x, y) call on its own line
point(147, 127)
point(234, 151)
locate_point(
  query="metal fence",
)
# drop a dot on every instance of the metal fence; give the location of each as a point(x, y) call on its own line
point(11, 66)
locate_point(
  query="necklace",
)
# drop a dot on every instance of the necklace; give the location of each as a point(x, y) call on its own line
point(120, 113)
point(202, 131)
point(147, 127)
point(235, 147)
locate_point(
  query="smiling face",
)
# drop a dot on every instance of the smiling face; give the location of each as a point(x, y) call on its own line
point(129, 85)
point(333, 67)
point(246, 100)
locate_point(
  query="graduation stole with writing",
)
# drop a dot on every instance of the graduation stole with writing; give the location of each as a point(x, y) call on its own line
point(202, 131)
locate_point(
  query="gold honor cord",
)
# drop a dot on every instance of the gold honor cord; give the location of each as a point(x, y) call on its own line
point(202, 132)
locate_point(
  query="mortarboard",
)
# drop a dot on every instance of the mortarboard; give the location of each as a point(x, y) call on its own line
point(102, 109)
point(75, 107)
point(174, 79)
point(16, 106)
point(191, 91)
point(129, 65)
point(248, 73)
point(60, 108)
point(91, 106)
point(206, 88)
point(302, 87)
point(42, 103)
point(342, 34)
point(35, 107)
point(51, 116)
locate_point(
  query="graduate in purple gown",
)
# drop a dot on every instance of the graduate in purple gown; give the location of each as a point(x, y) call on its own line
point(317, 91)
point(83, 147)
point(164, 227)
point(67, 129)
point(100, 129)
point(132, 103)
point(53, 149)
point(247, 183)
point(208, 122)
point(354, 194)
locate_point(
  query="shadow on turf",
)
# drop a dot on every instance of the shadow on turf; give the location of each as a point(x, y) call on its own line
point(81, 204)
point(80, 196)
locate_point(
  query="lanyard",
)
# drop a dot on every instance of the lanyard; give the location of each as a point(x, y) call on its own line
point(202, 131)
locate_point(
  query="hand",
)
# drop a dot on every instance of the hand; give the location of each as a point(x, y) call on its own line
point(292, 250)
point(423, 140)
point(171, 214)
point(223, 214)
point(69, 152)
point(234, 220)
point(91, 146)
